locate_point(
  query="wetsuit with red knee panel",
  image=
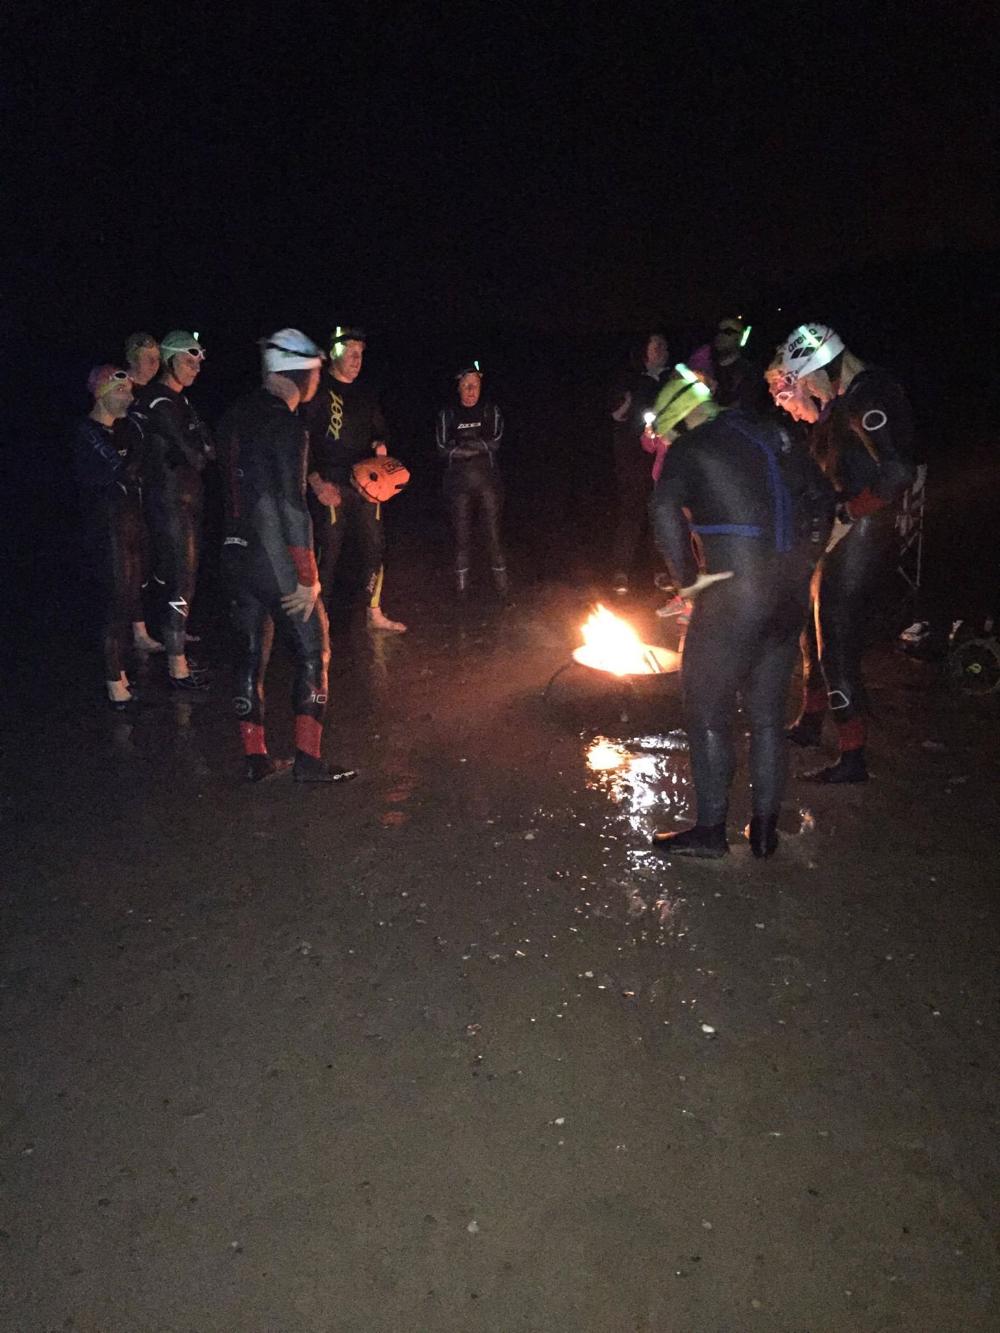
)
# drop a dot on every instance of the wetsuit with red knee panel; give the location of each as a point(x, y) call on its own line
point(761, 509)
point(176, 447)
point(468, 439)
point(113, 531)
point(344, 421)
point(267, 551)
point(863, 442)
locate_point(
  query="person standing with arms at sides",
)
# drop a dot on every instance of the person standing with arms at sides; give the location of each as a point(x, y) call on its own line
point(269, 566)
point(861, 435)
point(468, 435)
point(345, 425)
point(112, 513)
point(632, 399)
point(176, 447)
point(142, 354)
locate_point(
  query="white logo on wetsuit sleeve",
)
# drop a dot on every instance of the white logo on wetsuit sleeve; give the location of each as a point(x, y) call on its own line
point(874, 419)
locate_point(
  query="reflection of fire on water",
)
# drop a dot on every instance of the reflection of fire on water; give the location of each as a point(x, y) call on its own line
point(610, 644)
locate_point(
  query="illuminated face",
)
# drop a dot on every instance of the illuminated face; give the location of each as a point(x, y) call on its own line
point(184, 368)
point(469, 387)
point(657, 352)
point(347, 366)
point(118, 399)
point(799, 405)
point(145, 365)
point(311, 385)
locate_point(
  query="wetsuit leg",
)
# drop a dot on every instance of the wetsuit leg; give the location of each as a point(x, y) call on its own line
point(176, 533)
point(112, 553)
point(459, 498)
point(329, 527)
point(309, 644)
point(715, 653)
point(371, 542)
point(632, 481)
point(490, 509)
point(850, 576)
point(765, 696)
point(254, 629)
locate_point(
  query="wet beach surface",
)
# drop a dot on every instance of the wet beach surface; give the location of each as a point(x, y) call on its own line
point(447, 1049)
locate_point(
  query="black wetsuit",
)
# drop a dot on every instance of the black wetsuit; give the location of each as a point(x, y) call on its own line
point(267, 550)
point(468, 439)
point(864, 443)
point(761, 509)
point(113, 532)
point(633, 467)
point(344, 421)
point(176, 448)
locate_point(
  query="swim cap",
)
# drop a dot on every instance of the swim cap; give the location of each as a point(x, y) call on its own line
point(678, 398)
point(179, 340)
point(289, 349)
point(807, 348)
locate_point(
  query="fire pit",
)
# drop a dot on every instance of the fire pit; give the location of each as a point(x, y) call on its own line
point(612, 651)
point(611, 644)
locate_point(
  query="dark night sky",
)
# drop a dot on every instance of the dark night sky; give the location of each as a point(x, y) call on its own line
point(508, 165)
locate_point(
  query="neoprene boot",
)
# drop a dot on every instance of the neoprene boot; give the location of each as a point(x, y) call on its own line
point(260, 767)
point(309, 769)
point(703, 840)
point(763, 834)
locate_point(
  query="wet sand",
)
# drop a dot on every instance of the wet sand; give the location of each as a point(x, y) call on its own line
point(447, 1049)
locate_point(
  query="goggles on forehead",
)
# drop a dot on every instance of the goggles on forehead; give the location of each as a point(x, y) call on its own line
point(114, 381)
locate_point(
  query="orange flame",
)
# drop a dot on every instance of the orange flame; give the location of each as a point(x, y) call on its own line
point(611, 644)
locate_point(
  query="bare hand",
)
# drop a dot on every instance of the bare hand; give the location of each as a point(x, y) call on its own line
point(302, 600)
point(328, 493)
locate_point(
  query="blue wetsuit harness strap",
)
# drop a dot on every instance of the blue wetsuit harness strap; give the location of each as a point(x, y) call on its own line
point(730, 529)
point(781, 500)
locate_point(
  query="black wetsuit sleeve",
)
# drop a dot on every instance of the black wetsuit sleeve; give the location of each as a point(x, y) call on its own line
point(670, 523)
point(288, 537)
point(380, 431)
point(881, 421)
point(492, 429)
point(444, 432)
point(99, 464)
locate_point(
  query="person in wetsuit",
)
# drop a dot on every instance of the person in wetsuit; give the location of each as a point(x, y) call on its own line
point(761, 510)
point(468, 436)
point(142, 359)
point(176, 447)
point(112, 516)
point(633, 397)
point(268, 563)
point(345, 425)
point(862, 438)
